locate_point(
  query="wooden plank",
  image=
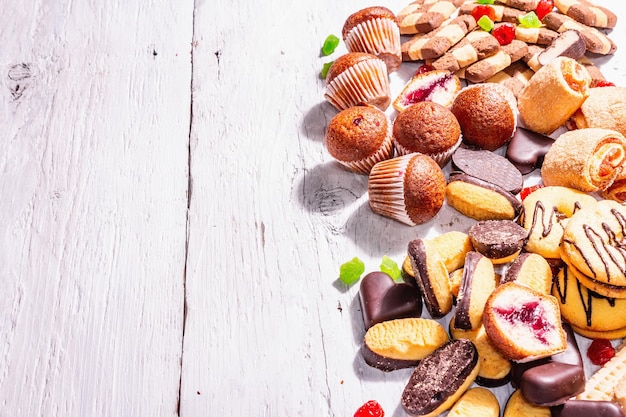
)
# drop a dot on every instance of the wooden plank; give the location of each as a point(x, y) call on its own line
point(94, 122)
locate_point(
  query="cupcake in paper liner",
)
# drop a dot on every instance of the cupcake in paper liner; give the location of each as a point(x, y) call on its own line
point(358, 78)
point(429, 128)
point(374, 30)
point(409, 188)
point(359, 137)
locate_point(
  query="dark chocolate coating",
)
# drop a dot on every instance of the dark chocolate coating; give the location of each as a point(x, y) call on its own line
point(552, 383)
point(417, 254)
point(571, 356)
point(527, 149)
point(383, 299)
point(439, 376)
point(497, 238)
point(584, 408)
point(383, 363)
point(461, 315)
point(488, 166)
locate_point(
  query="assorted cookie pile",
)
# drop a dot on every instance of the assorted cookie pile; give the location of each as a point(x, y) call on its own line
point(505, 89)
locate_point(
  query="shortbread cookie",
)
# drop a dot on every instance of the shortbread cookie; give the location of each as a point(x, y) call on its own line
point(476, 45)
point(601, 385)
point(402, 343)
point(486, 68)
point(587, 13)
point(584, 309)
point(477, 284)
point(431, 277)
point(434, 44)
point(546, 212)
point(495, 369)
point(595, 41)
point(450, 246)
point(609, 335)
point(440, 379)
point(540, 35)
point(524, 324)
point(588, 159)
point(498, 240)
point(593, 242)
point(476, 402)
point(517, 406)
point(455, 281)
point(606, 290)
point(480, 199)
point(423, 16)
point(514, 77)
point(553, 94)
point(532, 270)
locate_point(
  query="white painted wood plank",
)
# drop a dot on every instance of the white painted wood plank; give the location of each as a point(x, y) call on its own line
point(269, 331)
point(94, 180)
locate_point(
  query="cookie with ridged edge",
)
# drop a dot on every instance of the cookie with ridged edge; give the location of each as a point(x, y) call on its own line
point(431, 277)
point(440, 379)
point(517, 406)
point(402, 343)
point(476, 402)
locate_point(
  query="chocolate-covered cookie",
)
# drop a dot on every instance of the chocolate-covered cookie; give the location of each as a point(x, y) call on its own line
point(488, 166)
point(498, 240)
point(440, 379)
point(552, 383)
point(384, 299)
point(477, 284)
point(527, 149)
point(583, 408)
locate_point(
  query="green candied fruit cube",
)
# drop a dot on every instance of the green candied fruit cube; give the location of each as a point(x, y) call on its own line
point(330, 44)
point(325, 68)
point(350, 272)
point(485, 1)
point(390, 267)
point(485, 23)
point(529, 20)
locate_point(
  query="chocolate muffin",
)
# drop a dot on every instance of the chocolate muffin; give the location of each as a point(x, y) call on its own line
point(359, 137)
point(429, 128)
point(487, 114)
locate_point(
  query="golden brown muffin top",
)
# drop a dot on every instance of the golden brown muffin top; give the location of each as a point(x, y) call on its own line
point(424, 188)
point(486, 117)
point(346, 61)
point(426, 127)
point(369, 13)
point(356, 133)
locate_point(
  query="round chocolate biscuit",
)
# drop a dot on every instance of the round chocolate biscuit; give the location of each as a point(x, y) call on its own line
point(488, 166)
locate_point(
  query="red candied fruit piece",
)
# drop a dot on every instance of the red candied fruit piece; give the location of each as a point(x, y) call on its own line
point(529, 314)
point(504, 33)
point(424, 69)
point(604, 83)
point(527, 190)
point(543, 8)
point(483, 10)
point(370, 409)
point(600, 351)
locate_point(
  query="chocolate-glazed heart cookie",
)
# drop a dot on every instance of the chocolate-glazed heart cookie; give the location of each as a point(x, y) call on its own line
point(383, 299)
point(527, 149)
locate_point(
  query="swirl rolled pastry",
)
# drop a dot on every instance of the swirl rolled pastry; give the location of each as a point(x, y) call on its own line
point(617, 190)
point(585, 159)
point(553, 94)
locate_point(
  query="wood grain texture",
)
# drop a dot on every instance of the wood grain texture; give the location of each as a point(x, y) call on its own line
point(172, 225)
point(94, 123)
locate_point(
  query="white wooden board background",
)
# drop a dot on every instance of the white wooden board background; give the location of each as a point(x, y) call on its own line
point(171, 224)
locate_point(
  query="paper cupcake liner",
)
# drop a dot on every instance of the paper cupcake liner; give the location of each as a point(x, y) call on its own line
point(386, 188)
point(364, 166)
point(364, 83)
point(380, 37)
point(441, 158)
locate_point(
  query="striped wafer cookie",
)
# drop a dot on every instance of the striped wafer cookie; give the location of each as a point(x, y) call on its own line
point(490, 66)
point(540, 36)
point(423, 16)
point(476, 45)
point(436, 43)
point(595, 41)
point(526, 5)
point(587, 13)
point(601, 385)
point(502, 13)
point(532, 57)
point(514, 77)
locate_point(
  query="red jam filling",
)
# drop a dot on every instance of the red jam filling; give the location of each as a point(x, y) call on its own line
point(529, 314)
